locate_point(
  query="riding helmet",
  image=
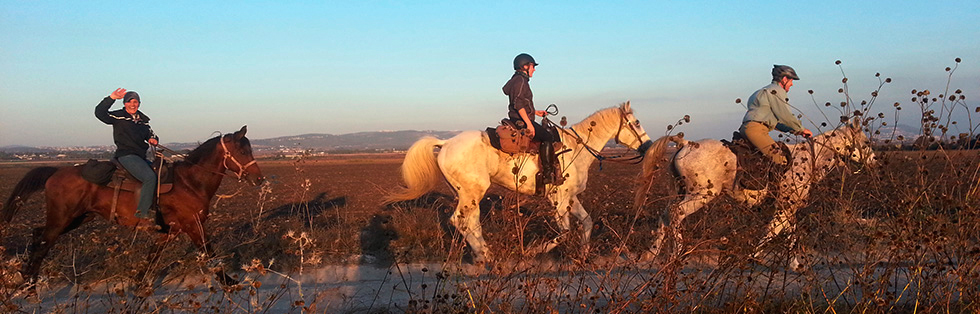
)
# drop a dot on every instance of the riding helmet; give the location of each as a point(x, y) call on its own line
point(778, 71)
point(523, 59)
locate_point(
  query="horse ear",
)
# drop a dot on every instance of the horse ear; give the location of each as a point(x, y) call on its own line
point(626, 106)
point(856, 123)
point(241, 133)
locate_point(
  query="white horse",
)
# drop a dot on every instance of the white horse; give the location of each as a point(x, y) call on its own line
point(707, 169)
point(469, 164)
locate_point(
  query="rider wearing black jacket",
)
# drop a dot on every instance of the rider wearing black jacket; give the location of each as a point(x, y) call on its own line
point(132, 134)
point(521, 111)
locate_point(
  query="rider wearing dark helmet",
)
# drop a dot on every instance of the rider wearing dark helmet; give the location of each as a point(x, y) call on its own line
point(768, 109)
point(522, 113)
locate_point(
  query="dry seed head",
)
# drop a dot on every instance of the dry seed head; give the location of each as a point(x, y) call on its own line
point(947, 69)
point(896, 104)
point(888, 80)
point(958, 91)
point(827, 104)
point(810, 91)
point(837, 62)
point(840, 90)
point(877, 74)
point(738, 100)
point(957, 60)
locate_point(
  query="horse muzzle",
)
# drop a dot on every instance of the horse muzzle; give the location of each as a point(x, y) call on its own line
point(644, 147)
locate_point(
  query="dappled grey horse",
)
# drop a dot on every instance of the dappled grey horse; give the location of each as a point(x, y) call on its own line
point(707, 168)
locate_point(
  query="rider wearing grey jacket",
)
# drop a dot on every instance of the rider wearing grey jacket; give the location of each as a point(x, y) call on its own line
point(768, 109)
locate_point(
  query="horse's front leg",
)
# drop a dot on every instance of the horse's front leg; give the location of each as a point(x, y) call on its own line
point(195, 231)
point(783, 220)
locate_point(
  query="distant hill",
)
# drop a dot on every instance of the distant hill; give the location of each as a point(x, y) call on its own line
point(380, 140)
point(361, 141)
point(26, 149)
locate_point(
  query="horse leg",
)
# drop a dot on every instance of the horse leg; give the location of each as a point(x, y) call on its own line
point(194, 229)
point(585, 219)
point(749, 197)
point(466, 219)
point(563, 205)
point(672, 219)
point(782, 221)
point(44, 239)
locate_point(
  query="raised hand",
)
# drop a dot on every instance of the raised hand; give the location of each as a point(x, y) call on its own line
point(118, 93)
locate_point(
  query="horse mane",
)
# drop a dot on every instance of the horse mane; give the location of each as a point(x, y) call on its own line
point(205, 149)
point(600, 117)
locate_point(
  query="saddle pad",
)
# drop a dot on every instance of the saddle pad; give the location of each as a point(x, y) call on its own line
point(755, 170)
point(103, 173)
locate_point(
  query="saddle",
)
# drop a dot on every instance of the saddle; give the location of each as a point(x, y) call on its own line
point(509, 138)
point(112, 174)
point(755, 170)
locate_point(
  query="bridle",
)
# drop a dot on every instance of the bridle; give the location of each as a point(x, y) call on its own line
point(241, 168)
point(623, 119)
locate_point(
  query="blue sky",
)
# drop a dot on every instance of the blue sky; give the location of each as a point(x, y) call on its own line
point(341, 67)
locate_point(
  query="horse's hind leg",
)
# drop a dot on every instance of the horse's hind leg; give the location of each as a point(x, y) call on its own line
point(44, 239)
point(466, 219)
point(672, 219)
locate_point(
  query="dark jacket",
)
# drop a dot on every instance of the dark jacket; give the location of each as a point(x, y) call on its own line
point(129, 132)
point(520, 95)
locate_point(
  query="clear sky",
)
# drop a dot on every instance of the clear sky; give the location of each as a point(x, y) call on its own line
point(290, 67)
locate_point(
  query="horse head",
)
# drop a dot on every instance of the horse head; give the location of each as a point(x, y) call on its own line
point(630, 133)
point(238, 157)
point(851, 143)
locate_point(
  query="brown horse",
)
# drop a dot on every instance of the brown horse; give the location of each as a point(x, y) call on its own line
point(71, 199)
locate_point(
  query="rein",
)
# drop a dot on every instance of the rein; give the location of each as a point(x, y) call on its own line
point(224, 162)
point(618, 158)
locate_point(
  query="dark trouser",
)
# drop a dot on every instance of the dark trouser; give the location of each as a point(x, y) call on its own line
point(140, 169)
point(546, 152)
point(541, 133)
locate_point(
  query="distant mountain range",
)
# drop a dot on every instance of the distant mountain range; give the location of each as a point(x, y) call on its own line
point(351, 142)
point(361, 141)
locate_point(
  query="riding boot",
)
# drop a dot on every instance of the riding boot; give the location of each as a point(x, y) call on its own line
point(546, 156)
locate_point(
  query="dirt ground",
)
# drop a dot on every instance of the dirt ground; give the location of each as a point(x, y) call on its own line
point(321, 212)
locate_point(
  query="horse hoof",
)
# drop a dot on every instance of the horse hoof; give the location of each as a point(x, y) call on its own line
point(226, 280)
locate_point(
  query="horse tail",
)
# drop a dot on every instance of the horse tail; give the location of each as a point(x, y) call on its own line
point(652, 162)
point(420, 172)
point(32, 182)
